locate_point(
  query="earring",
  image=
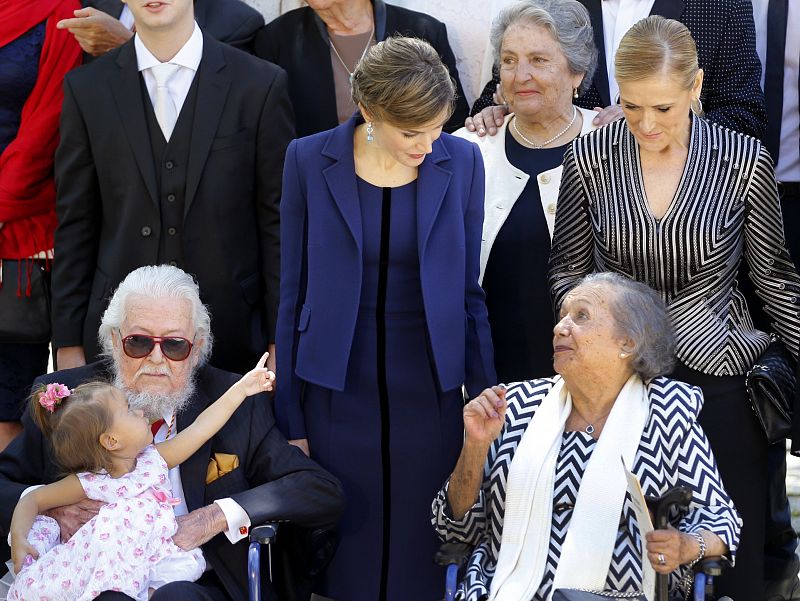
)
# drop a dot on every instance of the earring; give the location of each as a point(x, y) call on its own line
point(697, 107)
point(623, 355)
point(574, 92)
point(370, 130)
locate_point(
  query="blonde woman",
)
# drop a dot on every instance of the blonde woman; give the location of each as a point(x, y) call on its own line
point(686, 206)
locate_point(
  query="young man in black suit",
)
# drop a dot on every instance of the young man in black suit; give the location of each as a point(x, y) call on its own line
point(273, 480)
point(185, 171)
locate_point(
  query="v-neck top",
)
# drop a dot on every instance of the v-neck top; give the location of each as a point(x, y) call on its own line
point(724, 222)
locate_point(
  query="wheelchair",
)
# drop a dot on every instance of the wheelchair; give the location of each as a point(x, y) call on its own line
point(260, 535)
point(293, 566)
point(453, 555)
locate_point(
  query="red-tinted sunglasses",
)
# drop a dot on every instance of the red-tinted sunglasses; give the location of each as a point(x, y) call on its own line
point(175, 348)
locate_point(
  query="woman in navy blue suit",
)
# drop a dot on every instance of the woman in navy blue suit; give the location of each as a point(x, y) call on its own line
point(381, 320)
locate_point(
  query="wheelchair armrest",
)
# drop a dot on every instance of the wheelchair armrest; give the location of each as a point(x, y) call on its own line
point(713, 566)
point(264, 534)
point(452, 554)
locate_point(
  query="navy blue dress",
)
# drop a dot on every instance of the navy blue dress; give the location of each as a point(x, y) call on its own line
point(515, 282)
point(409, 432)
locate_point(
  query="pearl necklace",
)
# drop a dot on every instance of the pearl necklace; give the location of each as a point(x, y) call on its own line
point(543, 144)
point(339, 56)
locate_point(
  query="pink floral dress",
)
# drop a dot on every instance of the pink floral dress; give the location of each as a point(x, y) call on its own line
point(126, 547)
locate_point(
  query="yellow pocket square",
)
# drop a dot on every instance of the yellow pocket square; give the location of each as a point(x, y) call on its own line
point(221, 464)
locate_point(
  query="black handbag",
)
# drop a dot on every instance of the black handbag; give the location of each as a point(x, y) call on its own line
point(771, 385)
point(573, 594)
point(23, 318)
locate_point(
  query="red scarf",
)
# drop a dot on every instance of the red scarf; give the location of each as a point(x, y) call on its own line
point(27, 188)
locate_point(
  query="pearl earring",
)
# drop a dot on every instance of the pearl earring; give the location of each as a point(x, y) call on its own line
point(574, 92)
point(370, 131)
point(623, 354)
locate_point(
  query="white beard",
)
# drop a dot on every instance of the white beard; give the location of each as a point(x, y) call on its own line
point(156, 405)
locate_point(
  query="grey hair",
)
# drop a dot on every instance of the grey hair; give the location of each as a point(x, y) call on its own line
point(157, 282)
point(640, 314)
point(566, 20)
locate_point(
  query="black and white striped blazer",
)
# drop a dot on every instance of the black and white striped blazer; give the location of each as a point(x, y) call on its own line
point(726, 208)
point(673, 451)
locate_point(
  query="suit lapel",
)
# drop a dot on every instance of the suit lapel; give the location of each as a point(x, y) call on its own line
point(340, 177)
point(127, 91)
point(670, 9)
point(212, 91)
point(432, 183)
point(193, 470)
point(600, 80)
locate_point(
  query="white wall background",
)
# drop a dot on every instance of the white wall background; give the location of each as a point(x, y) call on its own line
point(467, 23)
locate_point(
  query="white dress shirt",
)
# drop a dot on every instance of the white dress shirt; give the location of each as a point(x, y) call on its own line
point(236, 517)
point(188, 58)
point(126, 17)
point(788, 167)
point(618, 17)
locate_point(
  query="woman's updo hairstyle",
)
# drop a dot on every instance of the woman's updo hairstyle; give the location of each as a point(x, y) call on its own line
point(403, 82)
point(657, 45)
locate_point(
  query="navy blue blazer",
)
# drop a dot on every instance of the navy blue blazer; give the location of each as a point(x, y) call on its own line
point(321, 267)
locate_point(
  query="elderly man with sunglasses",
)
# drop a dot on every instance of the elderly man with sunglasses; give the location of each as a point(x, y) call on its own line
point(156, 340)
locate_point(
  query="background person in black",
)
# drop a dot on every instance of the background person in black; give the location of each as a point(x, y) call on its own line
point(194, 181)
point(320, 45)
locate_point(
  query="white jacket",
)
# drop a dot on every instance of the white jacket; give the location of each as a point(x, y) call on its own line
point(504, 183)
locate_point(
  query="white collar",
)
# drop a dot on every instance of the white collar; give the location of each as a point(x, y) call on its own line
point(188, 56)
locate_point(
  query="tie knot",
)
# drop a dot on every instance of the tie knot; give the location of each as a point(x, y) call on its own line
point(162, 73)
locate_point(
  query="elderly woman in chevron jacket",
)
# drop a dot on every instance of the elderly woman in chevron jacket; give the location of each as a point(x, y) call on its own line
point(566, 435)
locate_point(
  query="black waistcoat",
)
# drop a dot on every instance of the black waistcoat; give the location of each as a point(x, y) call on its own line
point(170, 160)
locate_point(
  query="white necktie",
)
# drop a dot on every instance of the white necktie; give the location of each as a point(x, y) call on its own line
point(166, 114)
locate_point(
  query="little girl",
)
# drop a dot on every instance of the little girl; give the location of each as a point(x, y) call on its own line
point(108, 450)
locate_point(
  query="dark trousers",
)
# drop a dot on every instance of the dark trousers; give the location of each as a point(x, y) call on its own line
point(780, 559)
point(208, 588)
point(740, 448)
point(20, 364)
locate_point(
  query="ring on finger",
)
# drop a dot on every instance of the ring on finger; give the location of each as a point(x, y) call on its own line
point(661, 559)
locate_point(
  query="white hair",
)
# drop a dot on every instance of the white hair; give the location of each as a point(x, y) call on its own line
point(567, 21)
point(157, 282)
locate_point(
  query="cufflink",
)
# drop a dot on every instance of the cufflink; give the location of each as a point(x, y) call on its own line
point(242, 530)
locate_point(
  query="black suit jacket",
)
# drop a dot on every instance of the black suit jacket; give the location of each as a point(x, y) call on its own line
point(274, 480)
point(109, 210)
point(726, 48)
point(298, 42)
point(229, 21)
